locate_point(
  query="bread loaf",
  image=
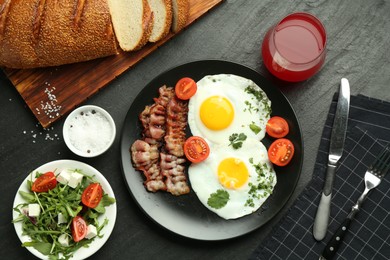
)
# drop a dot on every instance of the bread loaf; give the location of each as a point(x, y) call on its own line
point(133, 21)
point(162, 12)
point(43, 33)
point(40, 33)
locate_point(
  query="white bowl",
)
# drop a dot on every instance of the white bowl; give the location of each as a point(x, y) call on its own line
point(89, 131)
point(110, 213)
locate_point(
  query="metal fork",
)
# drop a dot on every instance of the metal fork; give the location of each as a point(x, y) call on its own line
point(372, 179)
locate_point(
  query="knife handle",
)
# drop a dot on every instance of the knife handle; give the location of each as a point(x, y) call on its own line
point(335, 242)
point(322, 217)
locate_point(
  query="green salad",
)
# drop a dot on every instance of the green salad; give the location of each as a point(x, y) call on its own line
point(60, 212)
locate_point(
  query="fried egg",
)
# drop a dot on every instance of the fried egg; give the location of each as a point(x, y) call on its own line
point(225, 104)
point(234, 182)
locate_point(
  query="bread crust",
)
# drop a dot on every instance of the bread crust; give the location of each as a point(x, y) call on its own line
point(16, 48)
point(181, 10)
point(42, 33)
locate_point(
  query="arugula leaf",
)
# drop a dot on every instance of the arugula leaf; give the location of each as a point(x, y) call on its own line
point(104, 202)
point(42, 247)
point(236, 140)
point(27, 196)
point(218, 199)
point(29, 184)
point(71, 212)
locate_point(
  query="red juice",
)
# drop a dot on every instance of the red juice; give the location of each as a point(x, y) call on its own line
point(294, 50)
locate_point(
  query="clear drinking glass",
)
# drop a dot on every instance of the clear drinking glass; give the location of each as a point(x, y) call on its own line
point(294, 49)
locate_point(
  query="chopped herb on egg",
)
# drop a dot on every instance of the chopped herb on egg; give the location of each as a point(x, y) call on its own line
point(218, 199)
point(261, 97)
point(236, 140)
point(255, 128)
point(253, 191)
point(250, 107)
point(263, 188)
point(260, 168)
point(250, 203)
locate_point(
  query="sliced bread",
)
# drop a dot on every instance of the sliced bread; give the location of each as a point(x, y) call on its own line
point(180, 13)
point(133, 22)
point(162, 13)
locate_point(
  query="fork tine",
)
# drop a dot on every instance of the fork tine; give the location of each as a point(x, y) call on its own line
point(382, 164)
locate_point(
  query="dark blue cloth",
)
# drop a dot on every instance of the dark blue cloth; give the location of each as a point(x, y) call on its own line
point(369, 233)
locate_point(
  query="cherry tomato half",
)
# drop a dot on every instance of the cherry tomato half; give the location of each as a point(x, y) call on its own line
point(79, 228)
point(185, 88)
point(277, 127)
point(92, 195)
point(281, 152)
point(196, 149)
point(45, 182)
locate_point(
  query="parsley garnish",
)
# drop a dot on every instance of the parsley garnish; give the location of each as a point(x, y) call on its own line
point(236, 140)
point(218, 199)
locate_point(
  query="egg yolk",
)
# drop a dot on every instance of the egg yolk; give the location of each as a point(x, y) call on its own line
point(216, 113)
point(232, 173)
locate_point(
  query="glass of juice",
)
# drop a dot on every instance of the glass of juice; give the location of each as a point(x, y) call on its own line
point(294, 49)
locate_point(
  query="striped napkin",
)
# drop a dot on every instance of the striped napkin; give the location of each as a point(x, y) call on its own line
point(369, 233)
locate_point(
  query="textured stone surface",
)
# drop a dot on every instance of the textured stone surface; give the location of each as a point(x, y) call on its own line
point(358, 49)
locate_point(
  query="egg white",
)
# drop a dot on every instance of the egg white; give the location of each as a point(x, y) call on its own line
point(204, 178)
point(250, 111)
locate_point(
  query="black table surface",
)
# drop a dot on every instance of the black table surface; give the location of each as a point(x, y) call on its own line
point(357, 49)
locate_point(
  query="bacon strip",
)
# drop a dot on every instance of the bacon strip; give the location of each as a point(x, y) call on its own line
point(177, 111)
point(172, 163)
point(173, 170)
point(153, 118)
point(164, 125)
point(145, 158)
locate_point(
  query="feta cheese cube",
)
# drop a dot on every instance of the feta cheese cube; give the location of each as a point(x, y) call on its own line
point(91, 232)
point(64, 176)
point(75, 179)
point(61, 219)
point(34, 210)
point(63, 240)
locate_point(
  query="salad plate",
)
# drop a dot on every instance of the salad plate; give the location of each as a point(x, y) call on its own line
point(185, 215)
point(110, 212)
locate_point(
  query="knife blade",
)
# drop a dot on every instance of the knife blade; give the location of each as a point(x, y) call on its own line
point(337, 139)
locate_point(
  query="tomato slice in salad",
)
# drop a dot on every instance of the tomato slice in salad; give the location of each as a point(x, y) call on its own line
point(79, 228)
point(277, 127)
point(45, 182)
point(281, 152)
point(185, 88)
point(92, 195)
point(196, 149)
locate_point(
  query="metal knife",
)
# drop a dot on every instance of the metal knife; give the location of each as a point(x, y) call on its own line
point(335, 151)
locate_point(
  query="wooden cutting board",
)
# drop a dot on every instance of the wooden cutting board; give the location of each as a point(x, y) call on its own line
point(52, 92)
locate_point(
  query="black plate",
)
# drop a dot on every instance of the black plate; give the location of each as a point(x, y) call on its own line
point(185, 215)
